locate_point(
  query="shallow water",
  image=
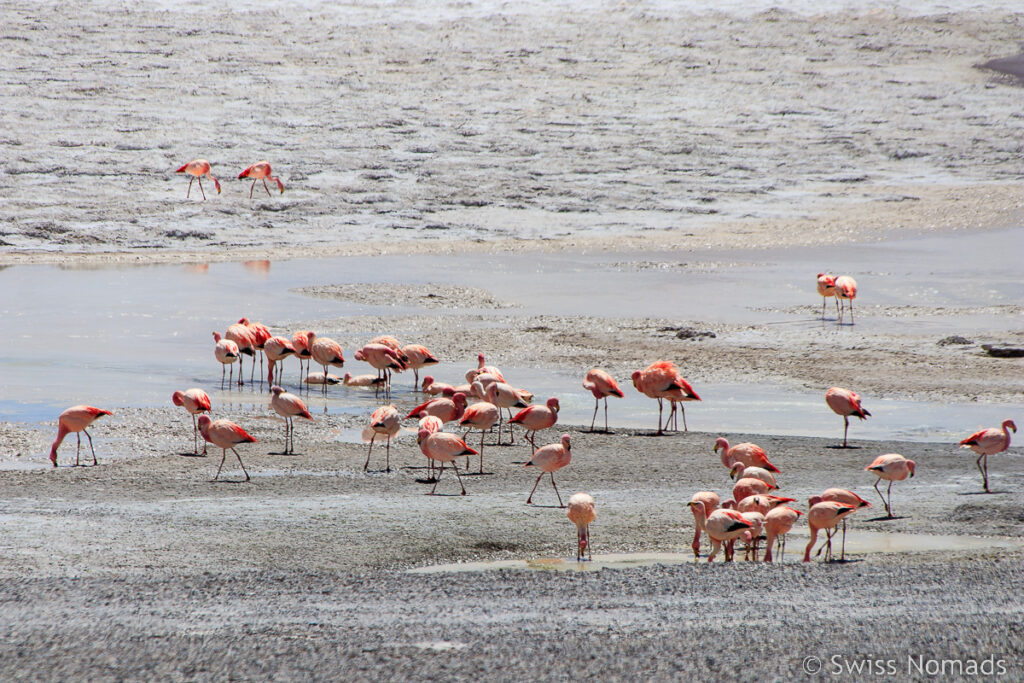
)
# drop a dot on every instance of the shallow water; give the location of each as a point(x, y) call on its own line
point(857, 543)
point(131, 335)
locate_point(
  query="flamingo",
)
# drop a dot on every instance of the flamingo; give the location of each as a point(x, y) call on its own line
point(322, 378)
point(489, 369)
point(845, 290)
point(536, 418)
point(301, 342)
point(827, 289)
point(195, 401)
point(507, 397)
point(433, 424)
point(891, 467)
point(225, 435)
point(419, 357)
point(246, 341)
point(753, 535)
point(351, 380)
point(276, 349)
point(75, 419)
point(325, 351)
point(662, 380)
point(260, 335)
point(750, 454)
point(382, 358)
point(443, 447)
point(197, 168)
point(390, 342)
point(226, 352)
point(288, 406)
point(720, 525)
point(430, 386)
point(480, 416)
point(749, 487)
point(762, 502)
point(447, 409)
point(777, 523)
point(825, 515)
point(549, 459)
point(839, 496)
point(846, 403)
point(581, 512)
point(481, 383)
point(741, 471)
point(260, 171)
point(385, 421)
point(601, 385)
point(709, 502)
point(989, 442)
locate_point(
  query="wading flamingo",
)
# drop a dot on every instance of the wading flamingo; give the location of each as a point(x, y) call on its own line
point(260, 334)
point(549, 459)
point(777, 523)
point(261, 171)
point(536, 418)
point(839, 496)
point(762, 503)
point(195, 401)
point(386, 421)
point(508, 397)
point(322, 378)
point(482, 416)
point(226, 352)
point(447, 409)
point(246, 341)
point(709, 502)
point(891, 467)
point(325, 352)
point(276, 349)
point(846, 403)
point(601, 385)
point(75, 420)
point(351, 380)
point(721, 526)
point(750, 454)
point(825, 515)
point(225, 435)
point(741, 471)
point(443, 447)
point(432, 387)
point(581, 512)
point(989, 442)
point(197, 168)
point(827, 290)
point(288, 406)
point(662, 380)
point(433, 425)
point(418, 356)
point(301, 342)
point(845, 290)
point(489, 369)
point(747, 487)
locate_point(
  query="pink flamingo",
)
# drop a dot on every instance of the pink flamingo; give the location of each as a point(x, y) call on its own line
point(839, 496)
point(351, 380)
point(276, 349)
point(752, 536)
point(777, 523)
point(505, 396)
point(288, 406)
point(390, 342)
point(762, 502)
point(721, 526)
point(301, 342)
point(989, 442)
point(226, 352)
point(549, 459)
point(750, 454)
point(489, 369)
point(433, 425)
point(891, 467)
point(482, 416)
point(749, 487)
point(75, 420)
point(197, 168)
point(260, 334)
point(195, 401)
point(709, 502)
point(825, 515)
point(225, 435)
point(741, 471)
point(447, 409)
point(661, 380)
point(536, 418)
point(382, 358)
point(846, 403)
point(261, 171)
point(601, 385)
point(325, 351)
point(845, 290)
point(581, 512)
point(319, 378)
point(443, 447)
point(433, 387)
point(243, 337)
point(419, 357)
point(827, 289)
point(385, 421)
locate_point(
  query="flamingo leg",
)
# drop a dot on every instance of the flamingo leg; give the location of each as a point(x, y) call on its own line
point(195, 436)
point(265, 187)
point(594, 418)
point(715, 546)
point(79, 449)
point(367, 464)
point(888, 505)
point(984, 472)
point(93, 450)
point(251, 188)
point(387, 455)
point(696, 541)
point(682, 409)
point(846, 428)
point(240, 463)
point(200, 188)
point(223, 455)
point(529, 501)
point(438, 478)
point(560, 503)
point(659, 417)
point(843, 555)
point(782, 547)
point(481, 453)
point(605, 420)
point(189, 192)
point(459, 476)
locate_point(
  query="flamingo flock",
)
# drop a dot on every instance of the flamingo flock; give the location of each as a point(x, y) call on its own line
point(754, 512)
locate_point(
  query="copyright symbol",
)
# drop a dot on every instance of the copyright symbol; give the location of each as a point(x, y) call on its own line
point(811, 665)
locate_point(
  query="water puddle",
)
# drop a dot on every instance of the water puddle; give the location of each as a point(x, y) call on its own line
point(857, 543)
